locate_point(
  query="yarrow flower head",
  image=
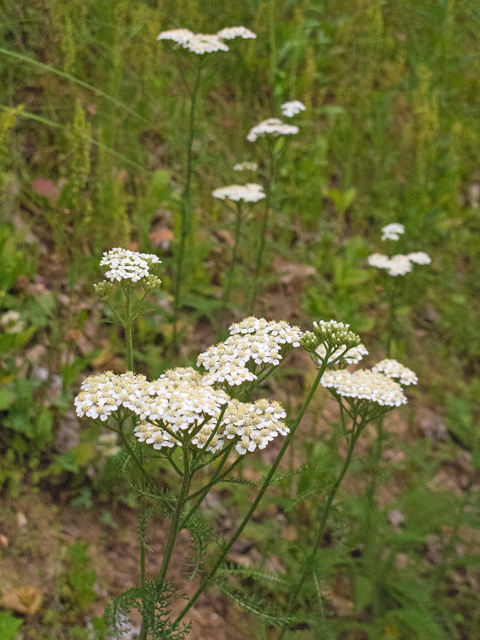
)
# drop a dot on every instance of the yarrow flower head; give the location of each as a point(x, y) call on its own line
point(182, 407)
point(352, 356)
point(201, 43)
point(252, 342)
point(419, 257)
point(11, 322)
point(290, 109)
point(332, 335)
point(180, 36)
point(248, 193)
point(245, 166)
point(393, 369)
point(364, 385)
point(392, 231)
point(236, 32)
point(273, 127)
point(399, 264)
point(204, 43)
point(127, 265)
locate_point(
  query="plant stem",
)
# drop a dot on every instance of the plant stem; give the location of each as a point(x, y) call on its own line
point(256, 502)
point(186, 210)
point(131, 453)
point(356, 429)
point(128, 331)
point(172, 536)
point(229, 281)
point(263, 230)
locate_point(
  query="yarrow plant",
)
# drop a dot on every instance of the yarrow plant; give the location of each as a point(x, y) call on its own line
point(397, 265)
point(269, 131)
point(204, 419)
point(199, 44)
point(237, 193)
point(292, 108)
point(363, 396)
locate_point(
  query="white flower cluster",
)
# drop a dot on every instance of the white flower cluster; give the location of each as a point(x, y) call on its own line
point(365, 385)
point(245, 166)
point(256, 424)
point(236, 32)
point(353, 355)
point(180, 406)
point(101, 395)
point(127, 265)
point(419, 257)
point(201, 43)
point(11, 322)
point(400, 264)
point(272, 126)
point(392, 231)
point(248, 193)
point(290, 109)
point(255, 341)
point(393, 369)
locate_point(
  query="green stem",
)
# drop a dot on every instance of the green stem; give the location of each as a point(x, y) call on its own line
point(185, 211)
point(356, 429)
point(255, 504)
point(263, 230)
point(132, 454)
point(238, 227)
point(128, 331)
point(172, 536)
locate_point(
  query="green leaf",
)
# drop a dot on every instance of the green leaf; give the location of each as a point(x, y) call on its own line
point(9, 626)
point(43, 428)
point(6, 398)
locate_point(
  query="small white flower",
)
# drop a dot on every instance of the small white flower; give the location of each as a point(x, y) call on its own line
point(180, 36)
point(399, 265)
point(419, 257)
point(365, 385)
point(11, 322)
point(378, 260)
point(272, 126)
point(352, 356)
point(248, 193)
point(235, 32)
point(393, 369)
point(245, 166)
point(127, 265)
point(290, 109)
point(204, 43)
point(392, 231)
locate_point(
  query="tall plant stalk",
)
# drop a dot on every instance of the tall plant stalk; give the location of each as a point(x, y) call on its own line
point(186, 214)
point(209, 577)
point(355, 431)
point(236, 243)
point(270, 179)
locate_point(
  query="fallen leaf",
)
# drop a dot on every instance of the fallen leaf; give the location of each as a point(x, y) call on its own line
point(293, 272)
point(21, 519)
point(23, 600)
point(46, 188)
point(225, 236)
point(3, 540)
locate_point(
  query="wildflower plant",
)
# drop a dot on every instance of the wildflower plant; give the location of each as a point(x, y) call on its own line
point(198, 44)
point(239, 194)
point(204, 419)
point(272, 133)
point(364, 397)
point(395, 266)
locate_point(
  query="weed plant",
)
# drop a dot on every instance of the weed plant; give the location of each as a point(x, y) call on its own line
point(109, 138)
